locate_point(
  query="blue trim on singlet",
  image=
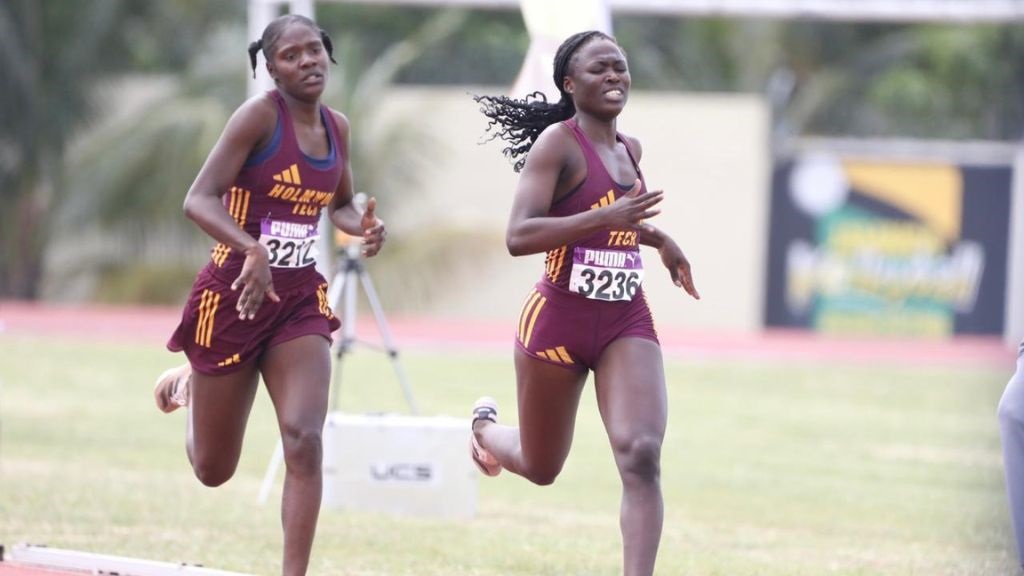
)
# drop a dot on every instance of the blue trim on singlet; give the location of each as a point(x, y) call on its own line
point(264, 154)
point(268, 150)
point(327, 162)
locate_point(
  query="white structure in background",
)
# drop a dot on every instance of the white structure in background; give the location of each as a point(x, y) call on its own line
point(549, 23)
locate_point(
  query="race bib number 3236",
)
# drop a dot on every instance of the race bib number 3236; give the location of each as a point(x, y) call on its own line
point(612, 275)
point(289, 244)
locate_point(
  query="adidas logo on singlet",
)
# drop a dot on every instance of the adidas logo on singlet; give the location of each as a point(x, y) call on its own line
point(289, 176)
point(604, 201)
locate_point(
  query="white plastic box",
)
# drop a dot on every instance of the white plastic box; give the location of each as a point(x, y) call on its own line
point(403, 465)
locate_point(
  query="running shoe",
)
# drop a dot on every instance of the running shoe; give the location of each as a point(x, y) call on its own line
point(172, 388)
point(484, 409)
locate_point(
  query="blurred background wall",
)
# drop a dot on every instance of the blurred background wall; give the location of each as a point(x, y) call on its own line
point(111, 106)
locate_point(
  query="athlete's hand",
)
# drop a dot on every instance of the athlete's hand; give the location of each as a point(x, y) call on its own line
point(374, 232)
point(678, 267)
point(255, 281)
point(631, 209)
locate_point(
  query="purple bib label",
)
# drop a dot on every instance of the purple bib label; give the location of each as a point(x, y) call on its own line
point(289, 244)
point(612, 275)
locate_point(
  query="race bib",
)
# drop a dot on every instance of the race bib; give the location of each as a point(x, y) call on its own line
point(612, 275)
point(290, 245)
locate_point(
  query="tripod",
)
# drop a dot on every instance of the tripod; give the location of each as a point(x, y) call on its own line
point(343, 291)
point(342, 296)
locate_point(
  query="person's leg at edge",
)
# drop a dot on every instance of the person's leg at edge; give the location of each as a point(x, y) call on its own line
point(1011, 428)
point(548, 396)
point(630, 384)
point(297, 374)
point(218, 411)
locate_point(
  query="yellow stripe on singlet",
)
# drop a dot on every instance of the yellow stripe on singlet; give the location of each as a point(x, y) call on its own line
point(554, 262)
point(239, 205)
point(244, 213)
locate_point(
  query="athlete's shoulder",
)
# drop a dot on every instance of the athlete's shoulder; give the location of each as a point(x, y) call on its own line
point(556, 139)
point(253, 121)
point(260, 109)
point(341, 120)
point(634, 146)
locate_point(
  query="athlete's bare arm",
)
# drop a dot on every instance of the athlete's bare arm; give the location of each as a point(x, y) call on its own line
point(343, 213)
point(249, 127)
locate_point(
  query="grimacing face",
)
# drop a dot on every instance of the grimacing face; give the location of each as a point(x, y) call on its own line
point(599, 78)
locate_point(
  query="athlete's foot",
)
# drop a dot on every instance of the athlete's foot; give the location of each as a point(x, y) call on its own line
point(485, 409)
point(172, 388)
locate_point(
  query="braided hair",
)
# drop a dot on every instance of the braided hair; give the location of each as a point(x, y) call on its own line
point(273, 32)
point(522, 121)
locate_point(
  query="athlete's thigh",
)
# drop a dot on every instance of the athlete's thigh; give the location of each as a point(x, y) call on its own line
point(548, 396)
point(297, 374)
point(630, 384)
point(219, 408)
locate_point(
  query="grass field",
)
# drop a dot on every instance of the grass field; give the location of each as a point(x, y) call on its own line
point(768, 469)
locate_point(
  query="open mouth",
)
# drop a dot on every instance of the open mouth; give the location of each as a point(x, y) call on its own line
point(615, 94)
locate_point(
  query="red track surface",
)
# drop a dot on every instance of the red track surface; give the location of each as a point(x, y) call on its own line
point(12, 569)
point(152, 325)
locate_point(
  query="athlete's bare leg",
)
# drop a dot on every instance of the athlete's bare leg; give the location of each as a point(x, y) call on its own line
point(548, 396)
point(297, 374)
point(630, 384)
point(218, 410)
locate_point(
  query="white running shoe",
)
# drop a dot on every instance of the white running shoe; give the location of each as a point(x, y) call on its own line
point(484, 409)
point(172, 388)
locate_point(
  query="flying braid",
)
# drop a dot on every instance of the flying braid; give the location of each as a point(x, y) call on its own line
point(522, 121)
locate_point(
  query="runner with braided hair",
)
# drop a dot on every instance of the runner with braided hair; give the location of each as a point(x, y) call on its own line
point(582, 199)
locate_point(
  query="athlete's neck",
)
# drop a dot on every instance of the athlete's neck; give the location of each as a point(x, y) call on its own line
point(601, 132)
point(302, 111)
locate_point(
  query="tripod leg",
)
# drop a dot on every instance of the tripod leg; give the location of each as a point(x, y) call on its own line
point(389, 342)
point(345, 299)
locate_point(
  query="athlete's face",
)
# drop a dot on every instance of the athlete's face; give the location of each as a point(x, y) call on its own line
point(299, 63)
point(598, 78)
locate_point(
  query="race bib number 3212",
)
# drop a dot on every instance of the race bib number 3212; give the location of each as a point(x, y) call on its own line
point(290, 245)
point(612, 275)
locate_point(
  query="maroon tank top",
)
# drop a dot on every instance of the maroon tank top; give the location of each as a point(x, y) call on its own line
point(277, 198)
point(598, 189)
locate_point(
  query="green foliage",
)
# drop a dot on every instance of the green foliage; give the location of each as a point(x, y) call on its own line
point(488, 48)
point(52, 54)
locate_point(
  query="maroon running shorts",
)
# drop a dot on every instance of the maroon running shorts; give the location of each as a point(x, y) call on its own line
point(571, 330)
point(217, 342)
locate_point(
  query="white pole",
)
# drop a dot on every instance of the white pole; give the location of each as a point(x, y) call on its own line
point(261, 12)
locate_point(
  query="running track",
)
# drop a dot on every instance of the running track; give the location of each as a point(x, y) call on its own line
point(152, 325)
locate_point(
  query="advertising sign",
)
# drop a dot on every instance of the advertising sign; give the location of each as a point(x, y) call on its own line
point(877, 247)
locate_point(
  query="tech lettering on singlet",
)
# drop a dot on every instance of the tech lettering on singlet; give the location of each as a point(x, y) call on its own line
point(277, 198)
point(605, 265)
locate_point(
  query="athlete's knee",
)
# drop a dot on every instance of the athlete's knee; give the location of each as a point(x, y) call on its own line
point(542, 475)
point(303, 449)
point(640, 457)
point(213, 472)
